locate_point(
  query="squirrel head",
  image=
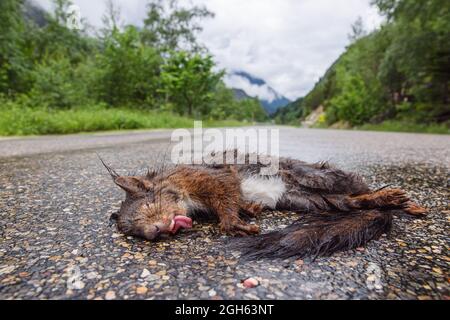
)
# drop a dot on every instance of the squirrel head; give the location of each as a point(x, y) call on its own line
point(151, 207)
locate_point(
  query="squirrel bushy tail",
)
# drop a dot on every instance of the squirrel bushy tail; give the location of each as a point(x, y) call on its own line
point(318, 234)
point(349, 223)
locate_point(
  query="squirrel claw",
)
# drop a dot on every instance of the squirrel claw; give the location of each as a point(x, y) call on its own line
point(414, 209)
point(253, 209)
point(241, 229)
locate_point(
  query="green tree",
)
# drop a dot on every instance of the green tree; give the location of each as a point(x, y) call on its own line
point(223, 103)
point(188, 81)
point(250, 109)
point(354, 103)
point(57, 54)
point(358, 30)
point(225, 106)
point(58, 84)
point(13, 63)
point(400, 71)
point(112, 21)
point(418, 60)
point(169, 26)
point(57, 39)
point(127, 70)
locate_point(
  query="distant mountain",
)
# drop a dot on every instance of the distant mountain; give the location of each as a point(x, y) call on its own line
point(247, 85)
point(240, 94)
point(34, 12)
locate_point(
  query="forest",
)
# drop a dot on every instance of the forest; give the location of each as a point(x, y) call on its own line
point(58, 79)
point(394, 78)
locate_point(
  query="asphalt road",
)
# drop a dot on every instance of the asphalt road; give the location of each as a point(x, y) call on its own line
point(56, 241)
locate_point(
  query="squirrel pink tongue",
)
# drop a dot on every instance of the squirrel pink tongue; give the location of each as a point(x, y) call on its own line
point(180, 222)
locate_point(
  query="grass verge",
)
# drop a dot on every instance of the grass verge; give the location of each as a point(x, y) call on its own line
point(20, 121)
point(401, 126)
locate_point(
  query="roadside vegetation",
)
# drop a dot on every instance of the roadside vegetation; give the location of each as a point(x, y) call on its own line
point(59, 79)
point(395, 78)
point(398, 126)
point(19, 120)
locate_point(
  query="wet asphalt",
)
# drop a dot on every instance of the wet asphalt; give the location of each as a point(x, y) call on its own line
point(56, 240)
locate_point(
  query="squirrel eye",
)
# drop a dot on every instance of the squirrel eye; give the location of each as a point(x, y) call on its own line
point(150, 196)
point(173, 194)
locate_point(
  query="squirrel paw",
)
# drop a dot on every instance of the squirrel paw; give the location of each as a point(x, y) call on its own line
point(414, 209)
point(382, 198)
point(253, 209)
point(395, 197)
point(239, 228)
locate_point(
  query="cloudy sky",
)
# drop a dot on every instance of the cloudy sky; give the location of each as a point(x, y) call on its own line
point(288, 43)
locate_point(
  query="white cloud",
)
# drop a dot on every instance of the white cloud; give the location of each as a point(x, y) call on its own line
point(132, 11)
point(288, 43)
point(263, 92)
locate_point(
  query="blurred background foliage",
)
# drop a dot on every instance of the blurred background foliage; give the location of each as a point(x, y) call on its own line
point(397, 74)
point(47, 67)
point(400, 72)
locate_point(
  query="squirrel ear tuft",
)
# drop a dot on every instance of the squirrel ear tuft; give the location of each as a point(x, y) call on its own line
point(132, 185)
point(111, 171)
point(151, 174)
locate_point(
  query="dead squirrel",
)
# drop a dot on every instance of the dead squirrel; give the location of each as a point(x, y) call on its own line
point(339, 210)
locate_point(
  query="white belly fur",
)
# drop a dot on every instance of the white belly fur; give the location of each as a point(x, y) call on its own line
point(263, 190)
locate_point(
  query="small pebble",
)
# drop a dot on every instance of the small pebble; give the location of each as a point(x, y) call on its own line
point(141, 290)
point(212, 293)
point(145, 273)
point(110, 295)
point(250, 283)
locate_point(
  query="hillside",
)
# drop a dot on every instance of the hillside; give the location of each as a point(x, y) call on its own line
point(245, 84)
point(59, 79)
point(33, 12)
point(397, 73)
point(299, 109)
point(240, 94)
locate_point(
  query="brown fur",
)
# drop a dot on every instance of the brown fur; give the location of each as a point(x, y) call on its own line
point(340, 211)
point(217, 190)
point(318, 234)
point(155, 199)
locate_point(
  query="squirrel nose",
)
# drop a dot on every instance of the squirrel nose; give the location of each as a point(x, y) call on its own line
point(151, 232)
